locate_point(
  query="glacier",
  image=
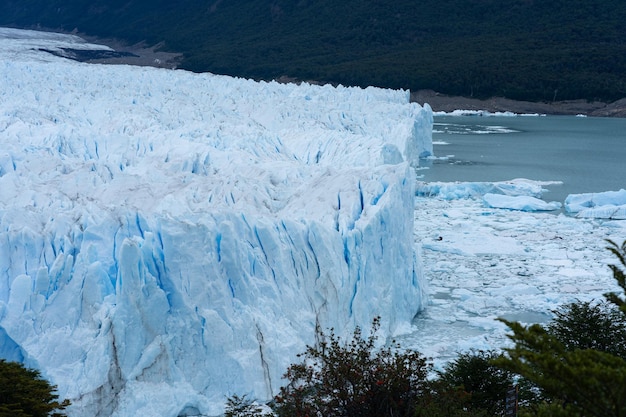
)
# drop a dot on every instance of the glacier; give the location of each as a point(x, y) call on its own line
point(168, 239)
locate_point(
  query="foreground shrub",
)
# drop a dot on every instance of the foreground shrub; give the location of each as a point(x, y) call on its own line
point(587, 325)
point(475, 373)
point(442, 400)
point(353, 379)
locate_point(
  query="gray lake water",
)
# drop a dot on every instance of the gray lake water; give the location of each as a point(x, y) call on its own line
point(586, 154)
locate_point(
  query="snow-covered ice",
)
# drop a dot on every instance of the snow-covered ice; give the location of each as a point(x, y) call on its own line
point(170, 238)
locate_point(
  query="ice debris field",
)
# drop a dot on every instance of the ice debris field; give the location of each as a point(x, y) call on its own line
point(168, 239)
point(482, 262)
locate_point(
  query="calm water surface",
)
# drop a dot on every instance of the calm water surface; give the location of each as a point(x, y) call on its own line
point(587, 154)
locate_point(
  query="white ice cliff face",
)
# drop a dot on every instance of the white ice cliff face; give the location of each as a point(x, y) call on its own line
point(168, 238)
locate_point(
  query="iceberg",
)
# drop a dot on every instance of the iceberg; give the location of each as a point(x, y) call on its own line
point(517, 194)
point(462, 190)
point(522, 203)
point(485, 113)
point(168, 239)
point(604, 205)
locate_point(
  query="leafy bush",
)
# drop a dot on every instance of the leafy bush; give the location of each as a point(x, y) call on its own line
point(352, 378)
point(475, 373)
point(586, 325)
point(442, 400)
point(23, 393)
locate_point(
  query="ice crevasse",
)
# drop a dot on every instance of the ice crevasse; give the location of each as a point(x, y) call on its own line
point(168, 238)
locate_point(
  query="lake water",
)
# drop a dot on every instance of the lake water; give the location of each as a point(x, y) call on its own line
point(480, 264)
point(586, 154)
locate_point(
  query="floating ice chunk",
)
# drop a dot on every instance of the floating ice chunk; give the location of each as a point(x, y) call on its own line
point(484, 113)
point(523, 203)
point(577, 202)
point(604, 212)
point(606, 205)
point(458, 190)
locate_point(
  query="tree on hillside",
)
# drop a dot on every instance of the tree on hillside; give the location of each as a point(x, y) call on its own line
point(577, 361)
point(23, 393)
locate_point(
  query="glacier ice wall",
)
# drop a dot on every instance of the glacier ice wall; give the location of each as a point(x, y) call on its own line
point(168, 239)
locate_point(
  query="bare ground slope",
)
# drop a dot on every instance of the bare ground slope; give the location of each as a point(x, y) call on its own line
point(441, 102)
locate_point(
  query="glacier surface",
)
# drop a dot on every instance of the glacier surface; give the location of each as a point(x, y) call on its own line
point(168, 238)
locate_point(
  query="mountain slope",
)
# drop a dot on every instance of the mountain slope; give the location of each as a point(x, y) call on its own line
point(521, 49)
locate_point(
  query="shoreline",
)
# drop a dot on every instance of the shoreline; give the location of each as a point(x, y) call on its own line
point(444, 103)
point(138, 54)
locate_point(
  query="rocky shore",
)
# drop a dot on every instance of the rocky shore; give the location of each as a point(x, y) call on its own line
point(138, 54)
point(442, 102)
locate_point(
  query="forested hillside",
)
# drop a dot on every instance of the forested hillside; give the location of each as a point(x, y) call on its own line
point(522, 49)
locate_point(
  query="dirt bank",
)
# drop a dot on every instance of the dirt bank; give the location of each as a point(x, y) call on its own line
point(137, 54)
point(441, 102)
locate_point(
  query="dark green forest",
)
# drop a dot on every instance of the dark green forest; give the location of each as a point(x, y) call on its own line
point(539, 50)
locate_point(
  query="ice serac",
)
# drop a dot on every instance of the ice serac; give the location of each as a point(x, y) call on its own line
point(168, 239)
